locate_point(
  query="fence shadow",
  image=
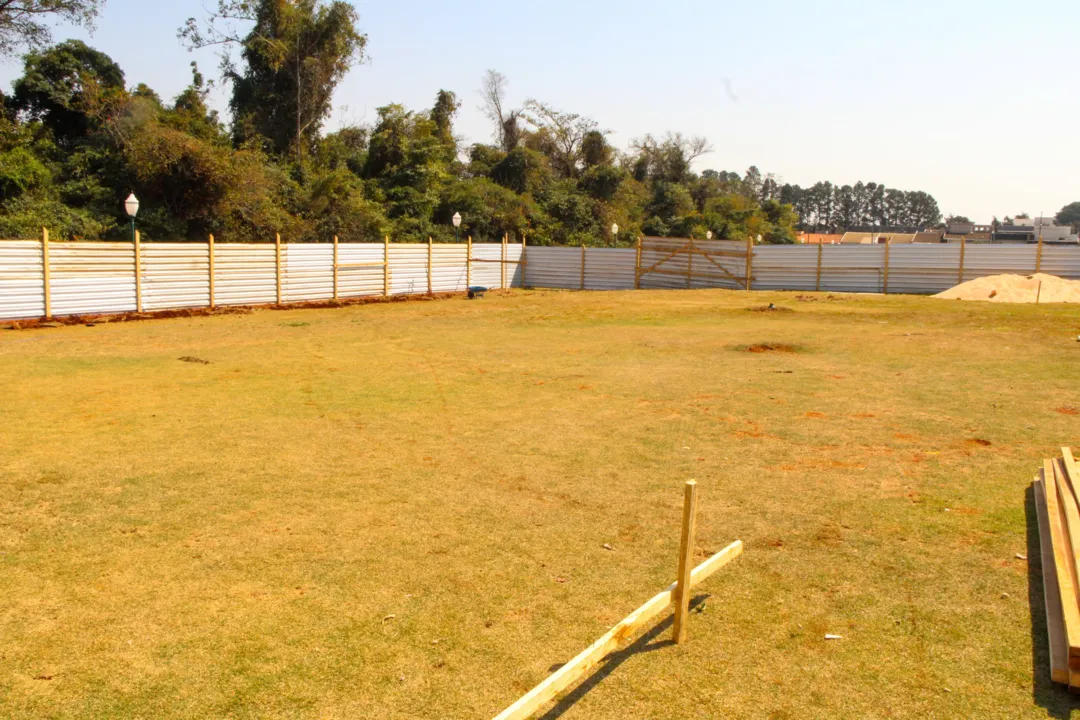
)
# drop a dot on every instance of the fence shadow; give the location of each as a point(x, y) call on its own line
point(1055, 699)
point(647, 643)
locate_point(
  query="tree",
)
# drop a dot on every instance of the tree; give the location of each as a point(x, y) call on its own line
point(24, 23)
point(507, 131)
point(295, 54)
point(560, 136)
point(1069, 215)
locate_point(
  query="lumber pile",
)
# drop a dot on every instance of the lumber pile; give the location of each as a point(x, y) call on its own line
point(1058, 508)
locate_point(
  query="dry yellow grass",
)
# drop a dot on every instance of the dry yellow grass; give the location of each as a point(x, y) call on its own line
point(399, 511)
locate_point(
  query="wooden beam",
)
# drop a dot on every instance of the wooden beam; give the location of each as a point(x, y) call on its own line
point(429, 286)
point(885, 279)
point(502, 268)
point(612, 640)
point(637, 266)
point(664, 259)
point(277, 265)
point(386, 266)
point(1039, 250)
point(46, 272)
point(1061, 503)
point(820, 253)
point(963, 250)
point(750, 264)
point(709, 257)
point(468, 262)
point(335, 267)
point(690, 266)
point(1055, 621)
point(686, 561)
point(582, 284)
point(524, 261)
point(138, 271)
point(210, 271)
point(675, 273)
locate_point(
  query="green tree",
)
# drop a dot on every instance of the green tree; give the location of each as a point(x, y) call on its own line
point(25, 23)
point(294, 56)
point(1069, 215)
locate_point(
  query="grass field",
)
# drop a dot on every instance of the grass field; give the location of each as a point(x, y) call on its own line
point(399, 511)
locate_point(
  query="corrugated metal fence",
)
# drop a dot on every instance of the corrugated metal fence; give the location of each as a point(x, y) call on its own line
point(92, 278)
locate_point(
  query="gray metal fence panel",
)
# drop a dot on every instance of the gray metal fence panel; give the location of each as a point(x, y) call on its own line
point(22, 289)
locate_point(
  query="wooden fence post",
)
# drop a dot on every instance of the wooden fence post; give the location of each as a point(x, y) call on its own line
point(46, 272)
point(335, 267)
point(690, 266)
point(686, 561)
point(429, 286)
point(277, 264)
point(468, 262)
point(637, 266)
point(820, 252)
point(1039, 251)
point(502, 265)
point(524, 262)
point(963, 249)
point(210, 271)
point(386, 266)
point(582, 267)
point(885, 282)
point(749, 263)
point(138, 271)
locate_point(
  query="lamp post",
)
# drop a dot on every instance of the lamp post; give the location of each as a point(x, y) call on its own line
point(708, 235)
point(457, 224)
point(132, 207)
point(614, 234)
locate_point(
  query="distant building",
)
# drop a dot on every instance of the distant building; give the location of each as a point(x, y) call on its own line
point(1033, 230)
point(877, 238)
point(818, 238)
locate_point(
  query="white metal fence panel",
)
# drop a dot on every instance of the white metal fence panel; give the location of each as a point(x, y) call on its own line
point(514, 254)
point(22, 289)
point(408, 269)
point(485, 271)
point(360, 281)
point(983, 260)
point(175, 276)
point(92, 278)
point(853, 268)
point(307, 272)
point(553, 267)
point(245, 274)
point(448, 268)
point(921, 269)
point(785, 267)
point(610, 268)
point(1061, 261)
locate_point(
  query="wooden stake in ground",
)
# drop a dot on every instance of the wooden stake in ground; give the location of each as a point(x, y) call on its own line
point(686, 561)
point(46, 276)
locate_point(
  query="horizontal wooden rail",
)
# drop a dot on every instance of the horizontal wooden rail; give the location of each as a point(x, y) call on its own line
point(612, 640)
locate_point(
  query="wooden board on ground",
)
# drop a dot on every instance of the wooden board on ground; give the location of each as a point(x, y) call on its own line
point(1055, 621)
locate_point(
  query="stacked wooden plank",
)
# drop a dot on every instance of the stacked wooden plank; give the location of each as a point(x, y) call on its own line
point(1058, 507)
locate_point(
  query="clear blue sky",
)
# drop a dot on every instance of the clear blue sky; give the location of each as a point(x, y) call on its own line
point(974, 102)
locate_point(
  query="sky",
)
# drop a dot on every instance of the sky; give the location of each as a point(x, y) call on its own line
point(973, 102)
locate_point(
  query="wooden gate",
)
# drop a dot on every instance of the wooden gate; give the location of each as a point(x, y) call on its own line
point(689, 263)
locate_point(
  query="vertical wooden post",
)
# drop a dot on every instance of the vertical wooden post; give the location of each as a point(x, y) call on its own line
point(468, 263)
point(749, 263)
point(335, 267)
point(386, 266)
point(820, 252)
point(46, 272)
point(138, 271)
point(524, 261)
point(582, 284)
point(686, 561)
point(1039, 250)
point(690, 266)
point(210, 271)
point(885, 280)
point(637, 266)
point(502, 265)
point(963, 248)
point(277, 264)
point(429, 286)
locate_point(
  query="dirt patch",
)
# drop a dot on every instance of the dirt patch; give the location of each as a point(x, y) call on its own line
point(1067, 410)
point(1037, 288)
point(817, 416)
point(978, 442)
point(194, 360)
point(771, 348)
point(770, 308)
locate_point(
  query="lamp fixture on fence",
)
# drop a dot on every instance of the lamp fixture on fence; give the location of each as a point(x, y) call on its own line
point(614, 233)
point(457, 224)
point(131, 205)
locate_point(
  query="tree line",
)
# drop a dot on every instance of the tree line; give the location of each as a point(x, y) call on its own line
point(75, 139)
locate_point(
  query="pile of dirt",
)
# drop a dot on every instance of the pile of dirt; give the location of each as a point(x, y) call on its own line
point(1040, 288)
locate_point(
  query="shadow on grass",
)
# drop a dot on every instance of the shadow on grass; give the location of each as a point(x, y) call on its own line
point(645, 644)
point(1055, 699)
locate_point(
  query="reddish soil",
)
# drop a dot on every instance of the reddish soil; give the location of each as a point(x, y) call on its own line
point(771, 348)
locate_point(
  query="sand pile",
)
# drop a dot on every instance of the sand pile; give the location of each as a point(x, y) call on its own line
point(1040, 287)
